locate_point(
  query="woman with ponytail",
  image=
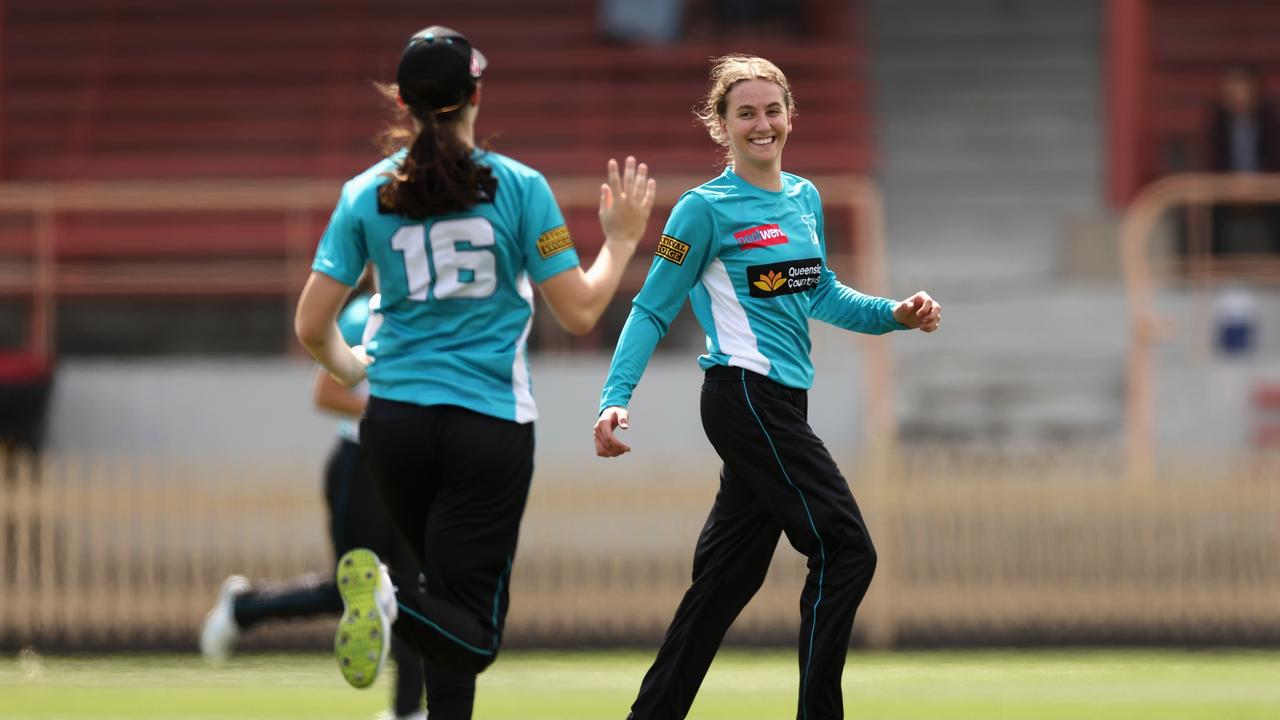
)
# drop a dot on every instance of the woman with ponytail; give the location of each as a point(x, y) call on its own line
point(458, 236)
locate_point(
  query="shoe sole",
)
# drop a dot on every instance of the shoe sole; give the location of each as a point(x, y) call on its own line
point(362, 639)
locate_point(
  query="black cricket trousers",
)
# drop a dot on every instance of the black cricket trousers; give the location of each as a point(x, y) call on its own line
point(455, 483)
point(356, 519)
point(777, 478)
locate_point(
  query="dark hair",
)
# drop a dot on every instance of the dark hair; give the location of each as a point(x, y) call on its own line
point(1244, 68)
point(438, 175)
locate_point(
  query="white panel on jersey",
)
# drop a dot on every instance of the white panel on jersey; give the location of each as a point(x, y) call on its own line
point(526, 411)
point(375, 318)
point(732, 329)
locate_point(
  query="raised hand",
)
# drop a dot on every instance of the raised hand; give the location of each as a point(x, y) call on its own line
point(625, 202)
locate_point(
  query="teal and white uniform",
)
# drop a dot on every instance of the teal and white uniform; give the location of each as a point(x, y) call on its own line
point(753, 263)
point(456, 299)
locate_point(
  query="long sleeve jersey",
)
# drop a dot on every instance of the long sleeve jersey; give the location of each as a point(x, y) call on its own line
point(753, 263)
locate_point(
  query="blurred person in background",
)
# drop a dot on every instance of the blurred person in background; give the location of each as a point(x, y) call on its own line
point(26, 386)
point(749, 251)
point(789, 16)
point(660, 22)
point(456, 234)
point(1244, 137)
point(356, 519)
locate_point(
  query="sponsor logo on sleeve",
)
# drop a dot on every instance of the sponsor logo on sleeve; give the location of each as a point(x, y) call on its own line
point(760, 236)
point(784, 278)
point(556, 240)
point(672, 249)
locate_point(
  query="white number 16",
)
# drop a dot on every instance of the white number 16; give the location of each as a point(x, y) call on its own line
point(460, 259)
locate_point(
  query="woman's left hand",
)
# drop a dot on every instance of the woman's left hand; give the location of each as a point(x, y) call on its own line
point(919, 312)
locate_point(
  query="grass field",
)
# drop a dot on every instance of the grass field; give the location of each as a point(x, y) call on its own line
point(1040, 685)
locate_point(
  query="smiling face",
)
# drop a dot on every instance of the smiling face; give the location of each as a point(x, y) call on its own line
point(756, 123)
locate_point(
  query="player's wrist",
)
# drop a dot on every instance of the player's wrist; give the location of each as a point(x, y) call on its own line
point(902, 313)
point(623, 240)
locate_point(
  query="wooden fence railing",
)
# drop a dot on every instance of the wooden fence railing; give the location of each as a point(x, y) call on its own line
point(1143, 274)
point(129, 552)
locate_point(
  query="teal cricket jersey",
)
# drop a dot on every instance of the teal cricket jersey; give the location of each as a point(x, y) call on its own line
point(753, 264)
point(456, 301)
point(352, 322)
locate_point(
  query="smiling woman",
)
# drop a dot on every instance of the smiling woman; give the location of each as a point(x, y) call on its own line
point(749, 250)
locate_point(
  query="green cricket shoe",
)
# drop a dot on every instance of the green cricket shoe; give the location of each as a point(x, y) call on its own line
point(369, 607)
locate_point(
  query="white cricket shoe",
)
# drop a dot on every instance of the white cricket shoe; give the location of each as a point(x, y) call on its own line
point(219, 633)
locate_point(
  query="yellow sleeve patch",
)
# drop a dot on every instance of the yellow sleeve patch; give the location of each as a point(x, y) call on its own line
point(672, 249)
point(555, 240)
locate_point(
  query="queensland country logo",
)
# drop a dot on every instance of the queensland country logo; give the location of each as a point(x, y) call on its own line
point(771, 281)
point(556, 240)
point(784, 278)
point(672, 249)
point(760, 236)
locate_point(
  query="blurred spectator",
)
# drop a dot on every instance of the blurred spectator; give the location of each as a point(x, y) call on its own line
point(1243, 135)
point(786, 15)
point(26, 383)
point(659, 22)
point(1244, 138)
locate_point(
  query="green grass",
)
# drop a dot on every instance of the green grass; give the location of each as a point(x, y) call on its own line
point(991, 685)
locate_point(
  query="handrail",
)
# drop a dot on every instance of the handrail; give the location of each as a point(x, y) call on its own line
point(46, 278)
point(1146, 326)
point(254, 194)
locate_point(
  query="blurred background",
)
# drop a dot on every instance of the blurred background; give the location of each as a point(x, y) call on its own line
point(1085, 454)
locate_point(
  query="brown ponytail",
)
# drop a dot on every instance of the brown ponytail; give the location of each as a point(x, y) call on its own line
point(438, 175)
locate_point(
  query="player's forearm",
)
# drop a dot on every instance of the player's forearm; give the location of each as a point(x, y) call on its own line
point(332, 397)
point(333, 353)
point(844, 307)
point(636, 343)
point(603, 279)
point(314, 324)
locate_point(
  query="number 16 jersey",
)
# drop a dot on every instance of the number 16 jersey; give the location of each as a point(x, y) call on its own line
point(456, 300)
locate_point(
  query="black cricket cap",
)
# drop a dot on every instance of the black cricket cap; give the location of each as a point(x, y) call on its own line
point(438, 69)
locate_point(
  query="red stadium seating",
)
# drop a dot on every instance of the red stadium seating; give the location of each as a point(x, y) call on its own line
point(139, 89)
point(222, 89)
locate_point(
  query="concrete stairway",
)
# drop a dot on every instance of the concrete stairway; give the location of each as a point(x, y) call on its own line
point(990, 142)
point(989, 129)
